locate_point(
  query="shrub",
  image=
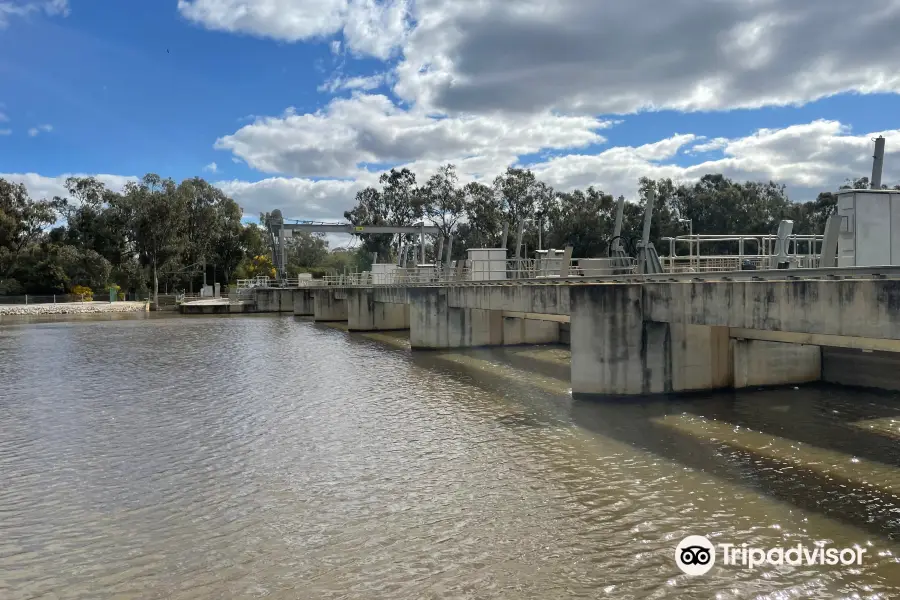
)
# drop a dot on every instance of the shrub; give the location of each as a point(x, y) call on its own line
point(85, 292)
point(121, 296)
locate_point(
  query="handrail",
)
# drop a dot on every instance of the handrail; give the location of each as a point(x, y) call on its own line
point(877, 272)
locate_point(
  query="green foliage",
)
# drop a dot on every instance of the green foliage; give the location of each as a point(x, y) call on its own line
point(257, 266)
point(305, 251)
point(85, 292)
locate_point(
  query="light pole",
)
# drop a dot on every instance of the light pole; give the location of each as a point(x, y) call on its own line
point(690, 223)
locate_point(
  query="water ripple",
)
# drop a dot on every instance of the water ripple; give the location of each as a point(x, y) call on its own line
point(267, 457)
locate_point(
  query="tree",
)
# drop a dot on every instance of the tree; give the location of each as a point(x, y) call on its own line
point(583, 220)
point(398, 203)
point(22, 222)
point(156, 218)
point(305, 250)
point(260, 266)
point(484, 219)
point(442, 200)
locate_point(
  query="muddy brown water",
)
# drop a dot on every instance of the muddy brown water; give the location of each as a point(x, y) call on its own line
point(261, 456)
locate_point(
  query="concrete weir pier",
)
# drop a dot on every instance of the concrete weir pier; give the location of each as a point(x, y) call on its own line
point(657, 334)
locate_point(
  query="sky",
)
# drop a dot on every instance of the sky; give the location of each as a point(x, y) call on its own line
point(298, 104)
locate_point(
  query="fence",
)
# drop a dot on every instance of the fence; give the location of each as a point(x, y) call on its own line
point(486, 270)
point(706, 264)
point(45, 299)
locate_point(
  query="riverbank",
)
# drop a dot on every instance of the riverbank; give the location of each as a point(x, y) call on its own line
point(72, 308)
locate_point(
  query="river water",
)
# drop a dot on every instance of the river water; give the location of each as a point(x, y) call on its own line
point(261, 456)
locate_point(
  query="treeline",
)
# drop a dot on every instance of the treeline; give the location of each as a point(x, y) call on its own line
point(475, 213)
point(154, 232)
point(159, 234)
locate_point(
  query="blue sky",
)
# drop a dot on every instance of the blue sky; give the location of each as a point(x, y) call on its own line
point(299, 103)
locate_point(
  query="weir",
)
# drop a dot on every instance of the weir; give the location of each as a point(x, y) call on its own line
point(654, 334)
point(645, 325)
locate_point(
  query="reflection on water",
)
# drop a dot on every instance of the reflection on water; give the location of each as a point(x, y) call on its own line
point(252, 456)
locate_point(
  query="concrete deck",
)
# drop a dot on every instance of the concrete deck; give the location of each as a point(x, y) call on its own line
point(216, 306)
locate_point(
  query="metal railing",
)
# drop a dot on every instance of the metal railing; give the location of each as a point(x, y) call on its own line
point(705, 264)
point(487, 271)
point(26, 299)
point(877, 272)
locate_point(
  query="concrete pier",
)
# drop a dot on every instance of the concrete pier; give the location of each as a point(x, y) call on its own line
point(365, 313)
point(329, 305)
point(304, 302)
point(274, 300)
point(436, 324)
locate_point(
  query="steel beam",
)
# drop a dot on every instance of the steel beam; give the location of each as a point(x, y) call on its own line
point(348, 228)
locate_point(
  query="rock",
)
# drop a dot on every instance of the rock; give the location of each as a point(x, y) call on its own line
point(72, 308)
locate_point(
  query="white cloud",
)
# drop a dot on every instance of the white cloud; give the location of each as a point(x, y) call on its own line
point(323, 200)
point(3, 117)
point(40, 186)
point(809, 158)
point(338, 140)
point(606, 57)
point(5, 131)
point(23, 8)
point(371, 27)
point(34, 131)
point(366, 83)
point(211, 167)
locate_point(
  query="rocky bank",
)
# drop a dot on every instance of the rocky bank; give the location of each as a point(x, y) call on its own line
point(72, 308)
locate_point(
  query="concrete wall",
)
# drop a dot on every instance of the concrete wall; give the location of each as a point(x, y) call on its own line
point(391, 316)
point(849, 366)
point(616, 351)
point(613, 352)
point(270, 300)
point(434, 324)
point(545, 299)
point(304, 303)
point(392, 295)
point(327, 307)
point(267, 300)
point(701, 357)
point(518, 331)
point(364, 313)
point(859, 308)
point(759, 363)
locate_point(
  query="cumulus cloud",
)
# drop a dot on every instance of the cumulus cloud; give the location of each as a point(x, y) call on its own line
point(297, 198)
point(809, 158)
point(211, 167)
point(41, 186)
point(35, 131)
point(22, 8)
point(337, 140)
point(607, 57)
point(365, 83)
point(369, 27)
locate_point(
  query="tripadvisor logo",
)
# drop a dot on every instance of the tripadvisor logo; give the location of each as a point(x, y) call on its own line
point(696, 555)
